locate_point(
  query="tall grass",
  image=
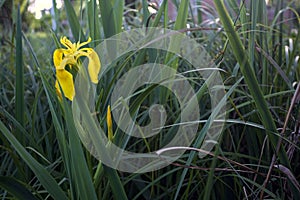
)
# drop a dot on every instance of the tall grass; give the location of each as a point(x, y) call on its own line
point(257, 155)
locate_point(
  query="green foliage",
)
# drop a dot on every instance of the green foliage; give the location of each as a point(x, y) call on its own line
point(42, 156)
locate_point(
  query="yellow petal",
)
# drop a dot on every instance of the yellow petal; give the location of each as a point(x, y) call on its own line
point(65, 79)
point(57, 57)
point(83, 43)
point(94, 66)
point(67, 43)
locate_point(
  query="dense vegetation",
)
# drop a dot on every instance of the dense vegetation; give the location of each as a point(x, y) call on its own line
point(255, 48)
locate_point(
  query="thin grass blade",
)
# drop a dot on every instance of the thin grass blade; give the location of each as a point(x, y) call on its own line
point(20, 104)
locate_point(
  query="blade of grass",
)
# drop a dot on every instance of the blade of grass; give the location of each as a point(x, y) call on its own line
point(115, 183)
point(146, 12)
point(118, 6)
point(209, 183)
point(252, 36)
point(20, 104)
point(262, 40)
point(159, 13)
point(73, 22)
point(180, 23)
point(243, 19)
point(295, 45)
point(55, 16)
point(111, 15)
point(250, 79)
point(280, 50)
point(93, 20)
point(182, 15)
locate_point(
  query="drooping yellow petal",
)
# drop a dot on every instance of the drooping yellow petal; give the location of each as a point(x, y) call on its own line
point(65, 79)
point(57, 57)
point(94, 66)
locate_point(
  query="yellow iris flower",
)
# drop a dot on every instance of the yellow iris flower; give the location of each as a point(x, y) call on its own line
point(69, 57)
